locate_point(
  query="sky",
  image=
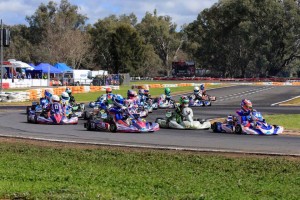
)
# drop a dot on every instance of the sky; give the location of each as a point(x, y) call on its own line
point(13, 12)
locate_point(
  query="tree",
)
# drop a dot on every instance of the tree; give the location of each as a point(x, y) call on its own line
point(61, 34)
point(101, 35)
point(246, 37)
point(127, 50)
point(160, 32)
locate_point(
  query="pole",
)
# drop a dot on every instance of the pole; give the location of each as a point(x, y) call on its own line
point(1, 59)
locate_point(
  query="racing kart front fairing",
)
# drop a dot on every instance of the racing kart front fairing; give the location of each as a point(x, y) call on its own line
point(78, 109)
point(205, 101)
point(54, 119)
point(258, 126)
point(163, 103)
point(174, 120)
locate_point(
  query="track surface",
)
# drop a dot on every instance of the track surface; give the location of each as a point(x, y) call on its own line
point(13, 123)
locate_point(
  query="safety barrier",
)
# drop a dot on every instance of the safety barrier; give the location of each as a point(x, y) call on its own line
point(34, 94)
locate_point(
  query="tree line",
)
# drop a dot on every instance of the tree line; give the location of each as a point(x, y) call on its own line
point(233, 38)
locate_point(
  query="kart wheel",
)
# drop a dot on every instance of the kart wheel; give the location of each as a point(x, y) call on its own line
point(214, 127)
point(238, 129)
point(88, 126)
point(88, 116)
point(28, 108)
point(113, 128)
point(35, 119)
point(85, 113)
point(28, 119)
point(157, 119)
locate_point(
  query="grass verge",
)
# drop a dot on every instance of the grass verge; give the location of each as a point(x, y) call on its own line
point(288, 121)
point(294, 102)
point(47, 172)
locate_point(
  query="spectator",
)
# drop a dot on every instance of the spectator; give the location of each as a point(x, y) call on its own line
point(29, 75)
point(5, 75)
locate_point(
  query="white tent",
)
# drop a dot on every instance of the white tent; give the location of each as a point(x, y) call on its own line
point(20, 64)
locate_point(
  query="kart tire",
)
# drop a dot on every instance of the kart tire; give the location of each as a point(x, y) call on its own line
point(214, 127)
point(113, 127)
point(28, 108)
point(28, 119)
point(88, 126)
point(238, 129)
point(85, 113)
point(35, 119)
point(159, 118)
point(88, 116)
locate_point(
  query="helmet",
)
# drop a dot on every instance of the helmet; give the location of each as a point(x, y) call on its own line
point(183, 100)
point(69, 91)
point(141, 91)
point(146, 92)
point(131, 94)
point(108, 90)
point(48, 94)
point(65, 96)
point(202, 87)
point(118, 100)
point(246, 105)
point(55, 98)
point(92, 104)
point(196, 90)
point(167, 91)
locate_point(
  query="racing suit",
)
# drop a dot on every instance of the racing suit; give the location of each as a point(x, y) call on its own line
point(53, 108)
point(245, 118)
point(72, 99)
point(118, 112)
point(196, 96)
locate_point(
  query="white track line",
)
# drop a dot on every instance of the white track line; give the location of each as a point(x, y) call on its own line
point(274, 104)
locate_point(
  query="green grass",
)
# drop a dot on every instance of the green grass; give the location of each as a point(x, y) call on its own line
point(288, 121)
point(295, 101)
point(34, 172)
point(92, 96)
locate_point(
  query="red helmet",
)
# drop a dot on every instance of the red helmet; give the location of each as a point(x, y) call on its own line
point(246, 105)
point(108, 90)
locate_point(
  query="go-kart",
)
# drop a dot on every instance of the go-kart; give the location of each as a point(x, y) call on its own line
point(55, 118)
point(184, 120)
point(78, 109)
point(163, 103)
point(258, 126)
point(131, 123)
point(37, 106)
point(205, 101)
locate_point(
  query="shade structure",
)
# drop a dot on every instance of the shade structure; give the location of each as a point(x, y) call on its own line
point(46, 66)
point(63, 67)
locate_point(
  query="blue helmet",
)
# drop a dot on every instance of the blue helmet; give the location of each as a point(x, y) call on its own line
point(48, 94)
point(118, 100)
point(202, 87)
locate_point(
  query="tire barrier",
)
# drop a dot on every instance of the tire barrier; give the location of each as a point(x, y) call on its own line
point(14, 96)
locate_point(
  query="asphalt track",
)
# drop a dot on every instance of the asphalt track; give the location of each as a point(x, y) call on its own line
point(13, 123)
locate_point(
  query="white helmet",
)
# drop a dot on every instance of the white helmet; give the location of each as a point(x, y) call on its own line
point(65, 96)
point(196, 90)
point(68, 90)
point(55, 98)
